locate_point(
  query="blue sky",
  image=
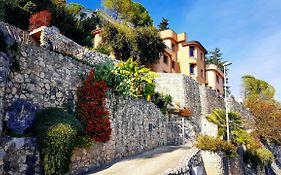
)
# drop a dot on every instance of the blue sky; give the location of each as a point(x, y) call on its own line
point(248, 32)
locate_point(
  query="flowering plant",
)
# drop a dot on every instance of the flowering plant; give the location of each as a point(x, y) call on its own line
point(91, 109)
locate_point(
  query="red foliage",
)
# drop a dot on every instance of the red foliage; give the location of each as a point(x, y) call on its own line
point(43, 18)
point(91, 109)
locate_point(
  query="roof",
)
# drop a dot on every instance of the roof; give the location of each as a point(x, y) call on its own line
point(193, 42)
point(97, 31)
point(213, 67)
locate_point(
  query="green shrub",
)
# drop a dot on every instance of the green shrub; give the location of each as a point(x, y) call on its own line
point(256, 155)
point(107, 71)
point(139, 77)
point(3, 44)
point(213, 144)
point(74, 8)
point(56, 148)
point(143, 43)
point(12, 12)
point(57, 132)
point(127, 78)
point(84, 141)
point(52, 116)
point(103, 48)
point(162, 101)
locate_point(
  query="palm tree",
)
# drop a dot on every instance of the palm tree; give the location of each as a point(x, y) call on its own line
point(237, 132)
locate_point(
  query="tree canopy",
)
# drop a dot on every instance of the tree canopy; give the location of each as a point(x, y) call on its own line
point(164, 24)
point(142, 43)
point(18, 12)
point(255, 87)
point(132, 12)
point(215, 57)
point(258, 97)
point(74, 8)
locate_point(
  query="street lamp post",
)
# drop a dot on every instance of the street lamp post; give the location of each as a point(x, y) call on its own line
point(225, 98)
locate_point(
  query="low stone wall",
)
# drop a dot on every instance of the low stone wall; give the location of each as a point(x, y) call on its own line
point(14, 34)
point(236, 166)
point(214, 164)
point(19, 156)
point(52, 39)
point(210, 100)
point(190, 164)
point(200, 99)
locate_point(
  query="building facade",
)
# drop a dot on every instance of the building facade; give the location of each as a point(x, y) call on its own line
point(182, 56)
point(215, 78)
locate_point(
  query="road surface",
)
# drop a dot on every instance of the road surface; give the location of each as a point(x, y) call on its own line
point(152, 162)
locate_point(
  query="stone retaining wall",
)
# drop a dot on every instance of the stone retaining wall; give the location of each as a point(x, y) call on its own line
point(200, 99)
point(50, 74)
point(248, 118)
point(48, 78)
point(136, 126)
point(213, 162)
point(19, 156)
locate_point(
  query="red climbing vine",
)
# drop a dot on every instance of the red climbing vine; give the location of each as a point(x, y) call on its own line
point(91, 109)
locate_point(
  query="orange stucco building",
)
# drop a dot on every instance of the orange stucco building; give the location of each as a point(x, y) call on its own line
point(215, 78)
point(183, 56)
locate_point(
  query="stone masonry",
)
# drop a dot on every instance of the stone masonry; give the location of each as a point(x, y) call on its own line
point(48, 78)
point(51, 71)
point(189, 165)
point(136, 126)
point(18, 156)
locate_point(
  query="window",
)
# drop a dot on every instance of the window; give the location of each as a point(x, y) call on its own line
point(164, 71)
point(173, 64)
point(218, 79)
point(201, 56)
point(202, 73)
point(191, 51)
point(165, 59)
point(173, 47)
point(191, 66)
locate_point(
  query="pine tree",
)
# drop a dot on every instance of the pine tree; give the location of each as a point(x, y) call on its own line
point(164, 24)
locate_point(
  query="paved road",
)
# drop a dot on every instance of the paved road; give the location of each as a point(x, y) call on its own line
point(152, 162)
